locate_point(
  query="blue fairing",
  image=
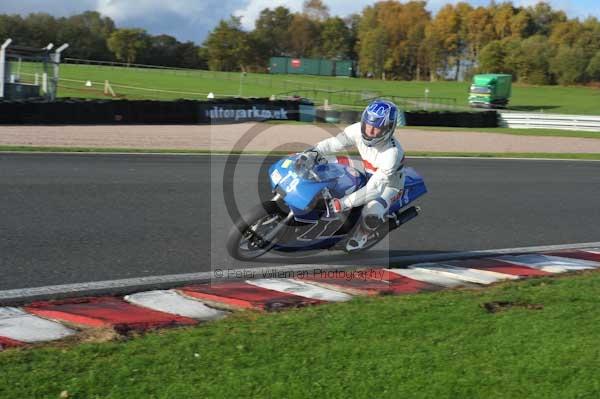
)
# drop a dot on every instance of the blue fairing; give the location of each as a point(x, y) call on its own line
point(414, 187)
point(301, 189)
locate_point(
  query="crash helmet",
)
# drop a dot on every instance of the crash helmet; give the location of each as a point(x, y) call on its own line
point(383, 115)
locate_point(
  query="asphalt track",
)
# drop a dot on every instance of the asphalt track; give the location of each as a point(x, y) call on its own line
point(77, 218)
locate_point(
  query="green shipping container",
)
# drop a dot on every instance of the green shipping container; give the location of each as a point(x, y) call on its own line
point(326, 68)
point(303, 66)
point(343, 68)
point(278, 65)
point(311, 66)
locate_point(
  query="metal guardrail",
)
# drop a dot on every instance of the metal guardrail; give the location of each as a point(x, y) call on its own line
point(549, 121)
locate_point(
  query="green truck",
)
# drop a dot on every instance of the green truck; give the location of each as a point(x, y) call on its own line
point(490, 90)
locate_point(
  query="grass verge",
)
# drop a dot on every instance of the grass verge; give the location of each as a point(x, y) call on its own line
point(138, 83)
point(513, 131)
point(545, 155)
point(442, 345)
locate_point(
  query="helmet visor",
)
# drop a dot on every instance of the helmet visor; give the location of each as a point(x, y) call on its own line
point(372, 131)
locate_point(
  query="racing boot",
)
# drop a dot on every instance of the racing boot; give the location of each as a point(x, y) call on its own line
point(366, 227)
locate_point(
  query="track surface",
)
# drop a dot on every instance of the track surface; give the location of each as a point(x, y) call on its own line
point(77, 218)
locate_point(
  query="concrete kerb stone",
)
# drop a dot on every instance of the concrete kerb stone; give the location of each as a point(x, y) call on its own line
point(17, 297)
point(155, 309)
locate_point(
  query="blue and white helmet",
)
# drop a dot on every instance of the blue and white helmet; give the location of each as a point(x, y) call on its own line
point(383, 115)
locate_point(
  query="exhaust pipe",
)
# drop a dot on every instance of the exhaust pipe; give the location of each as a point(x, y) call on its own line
point(399, 218)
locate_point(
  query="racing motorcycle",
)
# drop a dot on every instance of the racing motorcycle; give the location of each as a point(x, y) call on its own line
point(297, 218)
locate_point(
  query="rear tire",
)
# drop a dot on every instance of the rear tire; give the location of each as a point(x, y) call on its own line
point(245, 243)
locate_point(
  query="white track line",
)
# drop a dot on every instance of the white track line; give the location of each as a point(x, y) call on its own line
point(153, 282)
point(223, 153)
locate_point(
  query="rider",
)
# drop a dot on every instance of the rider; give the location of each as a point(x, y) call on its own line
point(383, 160)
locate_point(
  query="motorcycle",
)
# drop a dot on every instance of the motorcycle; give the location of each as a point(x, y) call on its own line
point(297, 217)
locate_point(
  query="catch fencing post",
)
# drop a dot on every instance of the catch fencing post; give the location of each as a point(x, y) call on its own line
point(3, 65)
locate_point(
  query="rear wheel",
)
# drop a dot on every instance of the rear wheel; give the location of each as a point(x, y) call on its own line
point(249, 237)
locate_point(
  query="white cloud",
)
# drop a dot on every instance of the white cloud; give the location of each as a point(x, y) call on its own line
point(123, 10)
point(251, 10)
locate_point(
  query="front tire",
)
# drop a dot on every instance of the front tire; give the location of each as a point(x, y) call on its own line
point(246, 238)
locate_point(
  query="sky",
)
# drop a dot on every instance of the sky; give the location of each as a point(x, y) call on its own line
point(192, 20)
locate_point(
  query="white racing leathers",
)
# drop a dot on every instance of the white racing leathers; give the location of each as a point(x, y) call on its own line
point(383, 163)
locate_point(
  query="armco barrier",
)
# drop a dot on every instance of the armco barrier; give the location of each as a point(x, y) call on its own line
point(530, 120)
point(83, 111)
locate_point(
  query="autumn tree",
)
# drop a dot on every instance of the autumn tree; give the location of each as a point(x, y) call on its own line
point(480, 31)
point(445, 40)
point(373, 51)
point(305, 36)
point(402, 27)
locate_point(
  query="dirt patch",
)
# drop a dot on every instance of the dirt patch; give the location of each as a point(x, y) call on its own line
point(499, 306)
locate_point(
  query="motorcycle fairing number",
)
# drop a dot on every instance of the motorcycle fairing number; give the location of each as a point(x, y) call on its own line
point(292, 184)
point(321, 229)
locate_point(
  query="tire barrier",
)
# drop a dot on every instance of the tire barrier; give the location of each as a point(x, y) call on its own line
point(452, 119)
point(114, 112)
point(69, 111)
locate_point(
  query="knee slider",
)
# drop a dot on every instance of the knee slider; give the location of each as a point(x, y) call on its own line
point(372, 222)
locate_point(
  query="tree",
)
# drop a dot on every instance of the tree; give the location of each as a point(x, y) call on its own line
point(87, 35)
point(271, 32)
point(565, 33)
point(521, 25)
point(187, 56)
point(593, 68)
point(444, 35)
point(41, 29)
point(531, 60)
point(569, 65)
point(402, 28)
point(304, 36)
point(13, 26)
point(503, 16)
point(315, 10)
point(373, 52)
point(544, 18)
point(128, 44)
point(480, 31)
point(353, 23)
point(492, 58)
point(335, 38)
point(228, 46)
point(162, 51)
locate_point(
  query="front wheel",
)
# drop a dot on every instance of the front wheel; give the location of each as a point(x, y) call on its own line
point(250, 236)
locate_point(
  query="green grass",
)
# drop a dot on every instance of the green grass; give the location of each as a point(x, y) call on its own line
point(557, 99)
point(547, 155)
point(437, 345)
